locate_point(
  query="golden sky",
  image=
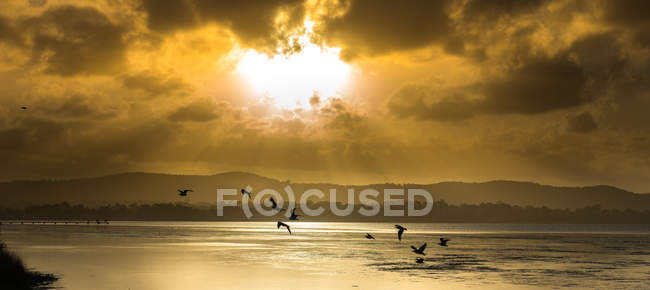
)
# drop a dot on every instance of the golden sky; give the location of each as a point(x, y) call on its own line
point(335, 91)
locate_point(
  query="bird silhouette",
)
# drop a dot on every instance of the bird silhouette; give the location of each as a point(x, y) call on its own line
point(369, 236)
point(281, 224)
point(23, 108)
point(419, 250)
point(244, 191)
point(443, 242)
point(275, 206)
point(400, 231)
point(294, 216)
point(184, 192)
point(419, 260)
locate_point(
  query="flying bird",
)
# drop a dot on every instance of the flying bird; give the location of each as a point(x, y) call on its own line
point(443, 242)
point(419, 250)
point(281, 224)
point(244, 191)
point(419, 260)
point(184, 192)
point(294, 216)
point(400, 231)
point(23, 108)
point(369, 236)
point(274, 205)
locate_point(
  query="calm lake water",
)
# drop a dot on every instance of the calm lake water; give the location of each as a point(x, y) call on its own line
point(256, 255)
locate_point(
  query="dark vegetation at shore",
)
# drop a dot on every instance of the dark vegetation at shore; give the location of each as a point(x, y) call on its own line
point(441, 212)
point(14, 275)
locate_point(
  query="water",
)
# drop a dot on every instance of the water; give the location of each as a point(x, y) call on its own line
point(254, 255)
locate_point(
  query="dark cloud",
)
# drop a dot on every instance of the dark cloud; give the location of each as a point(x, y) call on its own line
point(37, 3)
point(422, 102)
point(155, 84)
point(340, 118)
point(600, 55)
point(538, 86)
point(477, 10)
point(581, 123)
point(252, 22)
point(378, 27)
point(200, 111)
point(9, 33)
point(629, 15)
point(76, 40)
point(170, 14)
point(375, 27)
point(77, 107)
point(29, 133)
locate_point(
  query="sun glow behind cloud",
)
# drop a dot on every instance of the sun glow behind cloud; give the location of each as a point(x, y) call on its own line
point(290, 80)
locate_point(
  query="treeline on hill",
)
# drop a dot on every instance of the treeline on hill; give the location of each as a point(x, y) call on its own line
point(441, 212)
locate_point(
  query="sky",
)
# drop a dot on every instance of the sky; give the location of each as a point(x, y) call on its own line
point(354, 92)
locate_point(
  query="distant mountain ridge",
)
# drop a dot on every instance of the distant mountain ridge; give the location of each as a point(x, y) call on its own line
point(154, 187)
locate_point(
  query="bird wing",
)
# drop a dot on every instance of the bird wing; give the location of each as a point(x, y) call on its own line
point(421, 249)
point(279, 224)
point(414, 248)
point(399, 234)
point(288, 229)
point(293, 211)
point(275, 205)
point(180, 191)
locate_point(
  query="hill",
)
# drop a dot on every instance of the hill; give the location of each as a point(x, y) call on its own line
point(152, 187)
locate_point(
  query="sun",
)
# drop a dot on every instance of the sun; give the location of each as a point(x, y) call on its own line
point(290, 80)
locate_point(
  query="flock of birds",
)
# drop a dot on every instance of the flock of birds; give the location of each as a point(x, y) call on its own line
point(97, 221)
point(420, 250)
point(294, 216)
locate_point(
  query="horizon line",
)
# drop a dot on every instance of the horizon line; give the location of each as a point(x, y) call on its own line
point(288, 181)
